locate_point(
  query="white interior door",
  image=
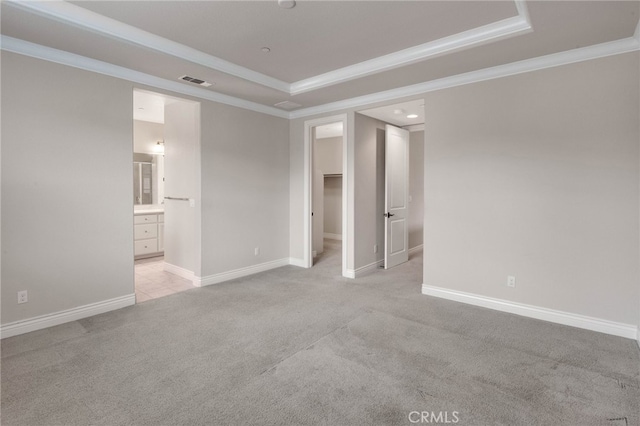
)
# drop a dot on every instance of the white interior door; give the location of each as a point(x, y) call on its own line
point(396, 196)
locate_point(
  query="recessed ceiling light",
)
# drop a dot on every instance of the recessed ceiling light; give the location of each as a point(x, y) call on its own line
point(287, 4)
point(412, 116)
point(266, 50)
point(398, 111)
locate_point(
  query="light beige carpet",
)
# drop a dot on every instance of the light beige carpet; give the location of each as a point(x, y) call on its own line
point(308, 347)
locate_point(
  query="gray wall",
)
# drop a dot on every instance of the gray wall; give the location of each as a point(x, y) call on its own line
point(333, 205)
point(245, 188)
point(537, 176)
point(67, 209)
point(369, 189)
point(328, 160)
point(328, 155)
point(182, 180)
point(576, 266)
point(146, 134)
point(67, 227)
point(416, 188)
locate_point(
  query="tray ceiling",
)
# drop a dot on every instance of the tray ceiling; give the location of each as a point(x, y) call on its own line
point(320, 51)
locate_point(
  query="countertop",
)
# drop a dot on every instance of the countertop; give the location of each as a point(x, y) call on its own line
point(148, 211)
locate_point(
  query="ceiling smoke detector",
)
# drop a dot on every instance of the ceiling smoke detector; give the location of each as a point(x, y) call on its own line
point(196, 81)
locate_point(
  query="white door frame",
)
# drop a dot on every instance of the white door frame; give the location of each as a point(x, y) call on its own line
point(308, 190)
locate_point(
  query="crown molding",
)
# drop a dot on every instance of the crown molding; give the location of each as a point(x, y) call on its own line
point(415, 128)
point(33, 50)
point(617, 47)
point(495, 31)
point(80, 17)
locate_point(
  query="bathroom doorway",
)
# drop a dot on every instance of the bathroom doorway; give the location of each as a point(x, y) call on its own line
point(166, 194)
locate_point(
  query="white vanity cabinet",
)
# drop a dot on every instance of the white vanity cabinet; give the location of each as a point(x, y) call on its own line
point(148, 232)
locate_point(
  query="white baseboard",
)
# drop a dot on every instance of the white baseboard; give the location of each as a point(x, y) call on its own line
point(367, 269)
point(297, 262)
point(551, 315)
point(73, 314)
point(349, 273)
point(239, 273)
point(416, 248)
point(333, 236)
point(181, 272)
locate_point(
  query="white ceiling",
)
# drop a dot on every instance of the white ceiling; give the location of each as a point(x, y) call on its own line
point(331, 130)
point(148, 106)
point(322, 52)
point(397, 114)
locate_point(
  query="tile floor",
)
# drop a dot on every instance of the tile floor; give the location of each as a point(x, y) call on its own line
point(153, 282)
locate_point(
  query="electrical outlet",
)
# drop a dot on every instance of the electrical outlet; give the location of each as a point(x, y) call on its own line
point(256, 251)
point(511, 281)
point(23, 297)
point(375, 248)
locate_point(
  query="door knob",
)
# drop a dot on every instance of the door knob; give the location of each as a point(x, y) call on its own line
point(388, 215)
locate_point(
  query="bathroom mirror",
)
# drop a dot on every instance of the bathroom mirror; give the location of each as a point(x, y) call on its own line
point(147, 179)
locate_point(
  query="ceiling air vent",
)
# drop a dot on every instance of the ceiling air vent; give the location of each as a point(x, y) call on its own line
point(195, 81)
point(288, 105)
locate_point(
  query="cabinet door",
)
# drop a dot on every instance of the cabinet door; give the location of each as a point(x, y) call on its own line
point(161, 237)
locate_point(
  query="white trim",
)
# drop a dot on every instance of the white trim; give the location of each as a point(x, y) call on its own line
point(618, 47)
point(415, 128)
point(349, 273)
point(416, 249)
point(181, 272)
point(239, 273)
point(523, 11)
point(26, 48)
point(566, 318)
point(333, 236)
point(294, 261)
point(68, 315)
point(77, 16)
point(485, 34)
point(308, 190)
point(367, 269)
point(80, 17)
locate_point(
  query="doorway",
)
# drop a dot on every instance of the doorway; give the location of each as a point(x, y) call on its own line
point(326, 170)
point(389, 142)
point(166, 196)
point(327, 191)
